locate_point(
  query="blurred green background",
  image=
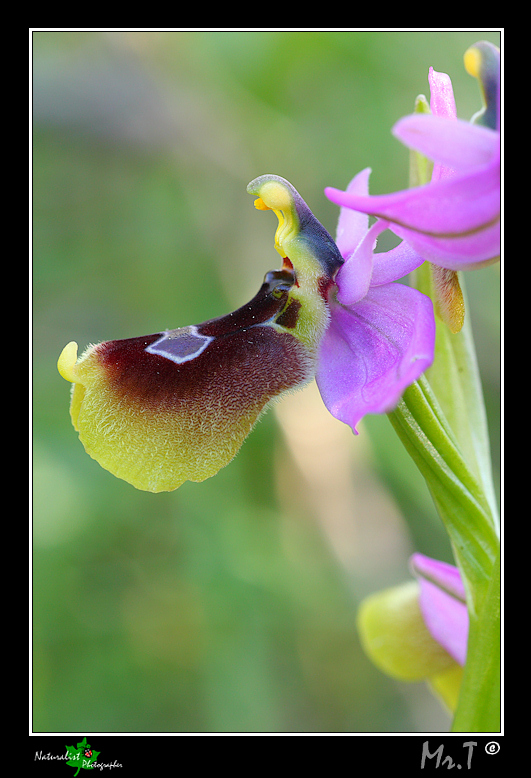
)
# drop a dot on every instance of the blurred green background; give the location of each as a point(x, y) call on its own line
point(229, 605)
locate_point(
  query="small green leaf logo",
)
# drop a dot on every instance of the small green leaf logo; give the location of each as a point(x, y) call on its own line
point(82, 757)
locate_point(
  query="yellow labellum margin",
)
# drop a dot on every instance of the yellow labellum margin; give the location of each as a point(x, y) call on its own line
point(176, 406)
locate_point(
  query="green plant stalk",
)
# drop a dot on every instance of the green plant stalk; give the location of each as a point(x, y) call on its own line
point(465, 512)
point(479, 708)
point(441, 421)
point(457, 494)
point(455, 381)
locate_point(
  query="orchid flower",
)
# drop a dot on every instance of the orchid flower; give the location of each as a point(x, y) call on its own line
point(454, 220)
point(177, 405)
point(419, 630)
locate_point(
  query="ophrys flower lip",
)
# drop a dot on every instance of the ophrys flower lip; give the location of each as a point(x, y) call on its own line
point(177, 405)
point(161, 409)
point(172, 406)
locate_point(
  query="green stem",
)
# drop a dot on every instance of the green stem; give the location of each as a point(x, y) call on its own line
point(458, 496)
point(479, 707)
point(466, 512)
point(441, 421)
point(455, 381)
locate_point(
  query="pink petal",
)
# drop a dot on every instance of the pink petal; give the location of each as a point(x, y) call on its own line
point(443, 605)
point(442, 101)
point(462, 253)
point(352, 225)
point(451, 142)
point(393, 264)
point(354, 276)
point(446, 619)
point(444, 575)
point(437, 208)
point(373, 350)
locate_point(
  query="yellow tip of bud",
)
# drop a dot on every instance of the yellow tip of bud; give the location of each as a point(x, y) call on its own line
point(260, 205)
point(473, 61)
point(67, 361)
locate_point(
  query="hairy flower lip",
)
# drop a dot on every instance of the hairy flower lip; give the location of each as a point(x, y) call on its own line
point(158, 410)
